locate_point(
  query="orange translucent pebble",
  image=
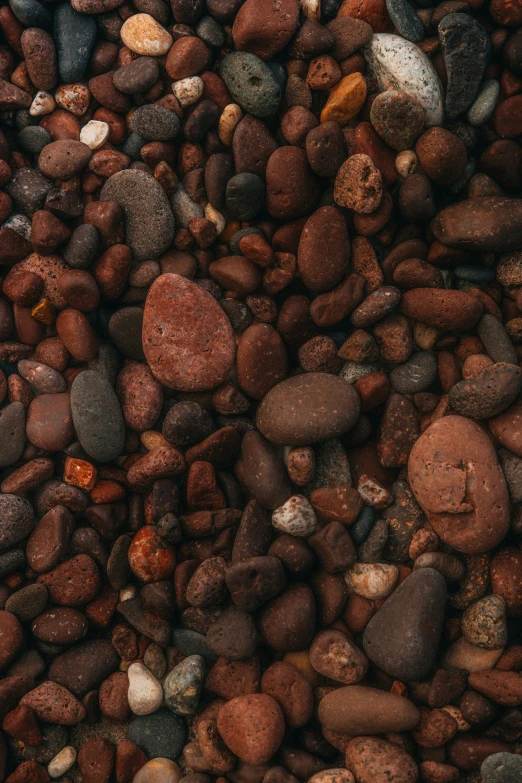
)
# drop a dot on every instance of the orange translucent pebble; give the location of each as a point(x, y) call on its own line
point(79, 473)
point(44, 311)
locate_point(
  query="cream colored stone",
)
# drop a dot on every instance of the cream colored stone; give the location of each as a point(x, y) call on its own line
point(295, 517)
point(158, 771)
point(152, 438)
point(311, 8)
point(43, 103)
point(457, 715)
point(215, 217)
point(372, 580)
point(62, 762)
point(143, 35)
point(95, 134)
point(127, 592)
point(406, 163)
point(425, 336)
point(145, 693)
point(228, 122)
point(188, 90)
point(74, 98)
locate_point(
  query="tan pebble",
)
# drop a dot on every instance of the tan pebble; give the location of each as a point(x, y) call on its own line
point(43, 103)
point(188, 90)
point(62, 762)
point(128, 592)
point(334, 775)
point(295, 517)
point(74, 98)
point(143, 35)
point(463, 655)
point(425, 336)
point(345, 100)
point(372, 580)
point(158, 770)
point(311, 8)
point(228, 122)
point(215, 217)
point(406, 163)
point(151, 439)
point(94, 134)
point(457, 716)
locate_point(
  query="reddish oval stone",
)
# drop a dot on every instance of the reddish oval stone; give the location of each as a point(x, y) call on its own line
point(252, 726)
point(324, 249)
point(261, 360)
point(150, 558)
point(264, 27)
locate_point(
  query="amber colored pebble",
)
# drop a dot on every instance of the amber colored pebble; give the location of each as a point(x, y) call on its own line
point(45, 312)
point(345, 100)
point(80, 473)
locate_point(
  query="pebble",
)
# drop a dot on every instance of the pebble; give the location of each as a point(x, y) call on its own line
point(12, 439)
point(484, 623)
point(17, 519)
point(295, 517)
point(161, 734)
point(97, 416)
point(53, 703)
point(94, 134)
point(372, 580)
point(501, 768)
point(251, 83)
point(28, 602)
point(183, 684)
point(466, 48)
point(62, 762)
point(143, 35)
point(43, 103)
point(188, 90)
point(154, 123)
point(359, 710)
point(476, 225)
point(158, 771)
point(252, 727)
point(198, 334)
point(74, 35)
point(406, 21)
point(487, 393)
point(484, 104)
point(398, 118)
point(358, 185)
point(278, 25)
point(398, 64)
point(145, 693)
point(149, 223)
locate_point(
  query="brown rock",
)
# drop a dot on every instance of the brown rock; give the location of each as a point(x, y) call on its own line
point(444, 309)
point(358, 185)
point(333, 655)
point(264, 473)
point(11, 637)
point(264, 27)
point(187, 57)
point(291, 187)
point(252, 146)
point(356, 709)
point(292, 691)
point(64, 159)
point(140, 396)
point(96, 760)
point(261, 360)
point(501, 687)
point(507, 428)
point(252, 727)
point(374, 760)
point(74, 582)
point(288, 621)
point(442, 155)
point(488, 224)
point(49, 540)
point(324, 249)
point(53, 703)
point(40, 58)
point(506, 579)
point(49, 422)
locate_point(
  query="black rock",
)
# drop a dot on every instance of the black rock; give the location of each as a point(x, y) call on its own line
point(405, 19)
point(12, 561)
point(97, 416)
point(74, 38)
point(466, 49)
point(28, 189)
point(160, 735)
point(28, 602)
point(31, 13)
point(245, 196)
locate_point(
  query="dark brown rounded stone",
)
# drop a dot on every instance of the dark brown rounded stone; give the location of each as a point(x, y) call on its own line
point(264, 473)
point(64, 159)
point(488, 224)
point(291, 187)
point(49, 423)
point(325, 237)
point(287, 622)
point(264, 27)
point(261, 361)
point(84, 667)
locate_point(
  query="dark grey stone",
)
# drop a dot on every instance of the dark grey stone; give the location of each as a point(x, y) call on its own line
point(82, 247)
point(138, 76)
point(496, 340)
point(405, 19)
point(210, 31)
point(502, 768)
point(28, 602)
point(74, 38)
point(466, 49)
point(31, 13)
point(192, 643)
point(28, 189)
point(160, 735)
point(125, 327)
point(17, 517)
point(415, 375)
point(360, 529)
point(154, 123)
point(475, 274)
point(12, 433)
point(11, 561)
point(245, 196)
point(251, 83)
point(33, 139)
point(97, 416)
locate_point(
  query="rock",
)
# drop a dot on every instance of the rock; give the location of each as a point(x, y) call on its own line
point(83, 667)
point(245, 196)
point(64, 158)
point(183, 684)
point(161, 734)
point(158, 771)
point(140, 396)
point(295, 517)
point(506, 579)
point(334, 656)
point(398, 118)
point(442, 308)
point(255, 580)
point(287, 622)
point(484, 225)
point(17, 519)
point(484, 623)
point(28, 602)
point(138, 76)
point(358, 710)
point(374, 760)
point(61, 625)
point(291, 187)
point(13, 97)
point(12, 435)
point(196, 333)
point(308, 409)
point(154, 123)
point(467, 506)
point(372, 580)
point(40, 58)
point(143, 35)
point(292, 691)
point(74, 582)
point(31, 13)
point(466, 49)
point(149, 223)
point(251, 83)
point(28, 188)
point(398, 64)
point(496, 340)
point(62, 762)
point(358, 185)
point(11, 637)
point(487, 393)
point(261, 360)
point(345, 100)
point(484, 104)
point(405, 644)
point(501, 768)
point(333, 245)
point(264, 27)
point(252, 727)
point(145, 693)
point(406, 21)
point(97, 416)
point(442, 156)
point(54, 704)
point(74, 36)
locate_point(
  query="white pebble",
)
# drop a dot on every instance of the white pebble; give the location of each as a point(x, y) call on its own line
point(43, 103)
point(94, 134)
point(188, 90)
point(406, 163)
point(455, 713)
point(215, 217)
point(372, 580)
point(145, 693)
point(398, 64)
point(228, 122)
point(129, 591)
point(295, 517)
point(311, 8)
point(62, 762)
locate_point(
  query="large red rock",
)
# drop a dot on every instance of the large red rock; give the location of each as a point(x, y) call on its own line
point(455, 475)
point(252, 727)
point(485, 225)
point(291, 186)
point(324, 249)
point(442, 308)
point(264, 27)
point(187, 338)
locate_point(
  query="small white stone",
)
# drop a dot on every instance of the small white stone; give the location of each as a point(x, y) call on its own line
point(129, 591)
point(215, 217)
point(455, 713)
point(188, 90)
point(43, 103)
point(398, 64)
point(406, 163)
point(311, 8)
point(145, 693)
point(158, 771)
point(372, 580)
point(228, 122)
point(295, 517)
point(95, 134)
point(62, 762)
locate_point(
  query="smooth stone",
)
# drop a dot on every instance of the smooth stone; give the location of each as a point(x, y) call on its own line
point(29, 188)
point(97, 416)
point(161, 734)
point(149, 222)
point(33, 139)
point(145, 693)
point(358, 710)
point(251, 83)
point(17, 517)
point(360, 530)
point(210, 31)
point(475, 274)
point(484, 623)
point(184, 208)
point(487, 393)
point(295, 517)
point(62, 762)
point(245, 196)
point(415, 375)
point(405, 644)
point(9, 562)
point(463, 655)
point(182, 685)
point(12, 433)
point(308, 409)
point(405, 20)
point(465, 48)
point(398, 64)
point(502, 768)
point(189, 642)
point(372, 580)
point(28, 602)
point(484, 104)
point(138, 76)
point(74, 37)
point(489, 224)
point(374, 760)
point(158, 771)
point(154, 123)
point(31, 13)
point(82, 247)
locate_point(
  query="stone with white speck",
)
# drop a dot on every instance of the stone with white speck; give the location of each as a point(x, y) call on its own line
point(295, 517)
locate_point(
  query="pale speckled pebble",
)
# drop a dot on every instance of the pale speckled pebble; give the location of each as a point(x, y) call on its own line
point(94, 134)
point(295, 517)
point(145, 693)
point(62, 762)
point(19, 223)
point(143, 35)
point(43, 103)
point(372, 580)
point(398, 64)
point(353, 372)
point(215, 217)
point(188, 90)
point(484, 104)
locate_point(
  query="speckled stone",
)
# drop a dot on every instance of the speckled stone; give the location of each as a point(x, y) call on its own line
point(502, 768)
point(251, 83)
point(17, 519)
point(484, 104)
point(415, 375)
point(160, 735)
point(97, 416)
point(182, 685)
point(398, 64)
point(406, 21)
point(465, 48)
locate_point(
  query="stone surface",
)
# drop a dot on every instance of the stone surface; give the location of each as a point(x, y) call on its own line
point(97, 416)
point(465, 48)
point(358, 710)
point(251, 83)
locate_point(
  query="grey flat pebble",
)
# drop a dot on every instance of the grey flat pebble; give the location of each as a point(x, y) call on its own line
point(82, 247)
point(12, 433)
point(154, 123)
point(210, 31)
point(160, 735)
point(484, 104)
point(360, 529)
point(138, 76)
point(28, 188)
point(496, 340)
point(415, 375)
point(17, 517)
point(182, 686)
point(251, 83)
point(502, 768)
point(149, 222)
point(245, 196)
point(465, 48)
point(97, 416)
point(475, 274)
point(192, 643)
point(11, 561)
point(33, 139)
point(43, 379)
point(125, 327)
point(28, 602)
point(74, 37)
point(406, 21)
point(31, 13)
